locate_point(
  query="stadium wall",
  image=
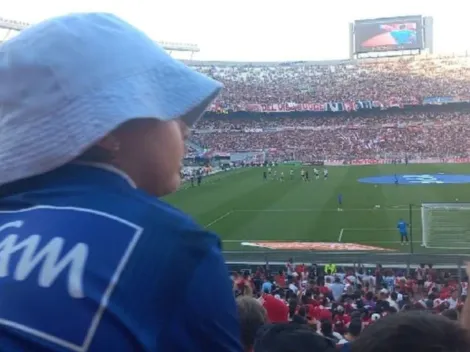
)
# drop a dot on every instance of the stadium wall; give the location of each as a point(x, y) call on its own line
point(448, 160)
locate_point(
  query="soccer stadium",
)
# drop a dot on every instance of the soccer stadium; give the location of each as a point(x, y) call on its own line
point(339, 190)
point(391, 154)
point(290, 213)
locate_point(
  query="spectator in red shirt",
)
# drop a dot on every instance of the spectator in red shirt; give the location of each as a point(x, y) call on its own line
point(280, 279)
point(277, 310)
point(341, 316)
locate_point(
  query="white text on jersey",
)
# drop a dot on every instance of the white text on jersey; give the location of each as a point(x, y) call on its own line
point(48, 257)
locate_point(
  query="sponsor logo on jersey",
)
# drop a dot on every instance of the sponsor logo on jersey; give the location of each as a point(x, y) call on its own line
point(58, 269)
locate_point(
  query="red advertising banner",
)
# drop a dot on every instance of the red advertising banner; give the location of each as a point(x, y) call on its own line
point(336, 106)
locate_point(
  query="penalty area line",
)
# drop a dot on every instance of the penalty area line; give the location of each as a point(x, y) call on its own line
point(219, 219)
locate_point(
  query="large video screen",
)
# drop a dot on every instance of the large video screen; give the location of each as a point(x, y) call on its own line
point(388, 34)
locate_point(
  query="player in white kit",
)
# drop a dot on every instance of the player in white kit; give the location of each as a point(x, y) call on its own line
point(316, 173)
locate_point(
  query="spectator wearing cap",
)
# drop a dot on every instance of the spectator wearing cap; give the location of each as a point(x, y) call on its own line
point(93, 117)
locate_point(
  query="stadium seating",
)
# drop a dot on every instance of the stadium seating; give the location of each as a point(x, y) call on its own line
point(392, 81)
point(406, 106)
point(421, 135)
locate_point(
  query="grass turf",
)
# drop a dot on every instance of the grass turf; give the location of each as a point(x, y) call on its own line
point(240, 206)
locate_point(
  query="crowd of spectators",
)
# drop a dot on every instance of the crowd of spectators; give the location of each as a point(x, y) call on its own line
point(405, 79)
point(387, 134)
point(406, 82)
point(314, 308)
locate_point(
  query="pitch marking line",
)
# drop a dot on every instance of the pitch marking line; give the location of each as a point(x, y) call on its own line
point(219, 219)
point(307, 241)
point(315, 210)
point(341, 233)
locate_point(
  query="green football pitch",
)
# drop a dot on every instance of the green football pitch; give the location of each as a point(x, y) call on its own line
point(241, 207)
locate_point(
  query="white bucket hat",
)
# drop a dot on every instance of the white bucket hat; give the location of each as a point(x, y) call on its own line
point(67, 82)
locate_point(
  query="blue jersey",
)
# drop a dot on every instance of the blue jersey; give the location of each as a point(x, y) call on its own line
point(402, 227)
point(403, 36)
point(340, 199)
point(91, 263)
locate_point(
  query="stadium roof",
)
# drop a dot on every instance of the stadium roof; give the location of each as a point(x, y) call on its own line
point(9, 26)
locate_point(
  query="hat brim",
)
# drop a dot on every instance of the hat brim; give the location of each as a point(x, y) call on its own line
point(43, 143)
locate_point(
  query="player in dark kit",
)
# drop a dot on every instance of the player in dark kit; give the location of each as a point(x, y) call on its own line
point(265, 175)
point(199, 177)
point(192, 178)
point(306, 175)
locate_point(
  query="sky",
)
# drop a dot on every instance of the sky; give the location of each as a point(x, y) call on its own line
point(258, 30)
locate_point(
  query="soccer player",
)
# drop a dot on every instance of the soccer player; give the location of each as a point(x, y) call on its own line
point(282, 176)
point(192, 177)
point(302, 174)
point(340, 202)
point(199, 177)
point(316, 173)
point(396, 179)
point(269, 171)
point(291, 174)
point(325, 174)
point(274, 174)
point(265, 175)
point(402, 227)
point(306, 176)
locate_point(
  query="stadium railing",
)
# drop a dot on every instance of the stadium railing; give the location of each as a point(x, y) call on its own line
point(405, 260)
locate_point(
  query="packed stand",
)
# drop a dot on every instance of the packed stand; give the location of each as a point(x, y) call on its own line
point(349, 309)
point(398, 133)
point(406, 80)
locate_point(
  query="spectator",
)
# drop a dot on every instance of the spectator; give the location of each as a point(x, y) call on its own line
point(354, 330)
point(392, 300)
point(337, 289)
point(115, 288)
point(276, 309)
point(326, 329)
point(290, 338)
point(453, 300)
point(267, 285)
point(252, 317)
point(413, 331)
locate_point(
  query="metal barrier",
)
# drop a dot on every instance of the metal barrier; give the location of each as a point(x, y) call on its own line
point(345, 258)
